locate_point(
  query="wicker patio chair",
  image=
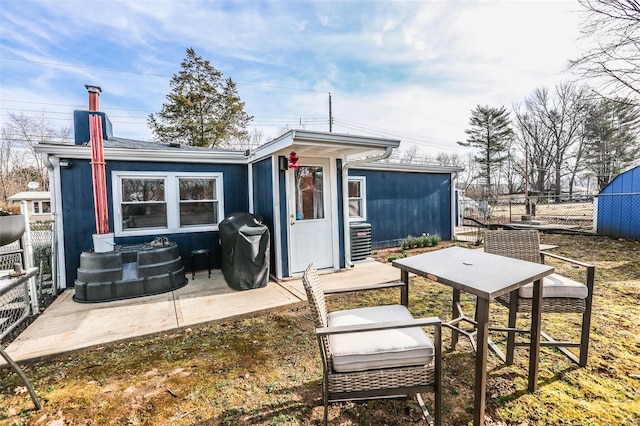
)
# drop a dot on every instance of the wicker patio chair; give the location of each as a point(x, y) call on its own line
point(375, 352)
point(559, 294)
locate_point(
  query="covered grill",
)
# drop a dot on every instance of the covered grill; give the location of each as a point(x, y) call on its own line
point(245, 251)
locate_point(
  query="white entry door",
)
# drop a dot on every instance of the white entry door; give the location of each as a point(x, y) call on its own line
point(310, 216)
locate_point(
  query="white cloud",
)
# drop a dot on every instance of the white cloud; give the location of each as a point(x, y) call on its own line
point(416, 68)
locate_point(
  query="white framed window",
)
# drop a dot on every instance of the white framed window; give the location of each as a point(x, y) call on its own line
point(147, 203)
point(357, 198)
point(41, 207)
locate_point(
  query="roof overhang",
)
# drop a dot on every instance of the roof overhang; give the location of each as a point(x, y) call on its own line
point(320, 144)
point(30, 195)
point(304, 143)
point(416, 168)
point(153, 155)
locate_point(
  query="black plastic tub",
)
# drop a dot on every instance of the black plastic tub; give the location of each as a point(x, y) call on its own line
point(129, 271)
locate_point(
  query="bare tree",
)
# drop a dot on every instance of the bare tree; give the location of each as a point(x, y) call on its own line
point(410, 155)
point(574, 161)
point(513, 168)
point(10, 159)
point(448, 159)
point(556, 121)
point(614, 26)
point(470, 174)
point(536, 142)
point(18, 159)
point(254, 140)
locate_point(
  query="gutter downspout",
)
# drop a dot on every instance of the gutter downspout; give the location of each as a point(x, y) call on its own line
point(57, 239)
point(454, 205)
point(345, 199)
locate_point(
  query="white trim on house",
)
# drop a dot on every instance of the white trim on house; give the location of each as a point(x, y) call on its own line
point(250, 186)
point(335, 214)
point(56, 210)
point(454, 206)
point(320, 144)
point(399, 167)
point(165, 155)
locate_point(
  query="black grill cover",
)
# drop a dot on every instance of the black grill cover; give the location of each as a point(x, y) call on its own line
point(245, 251)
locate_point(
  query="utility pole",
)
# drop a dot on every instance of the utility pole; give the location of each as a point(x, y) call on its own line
point(330, 115)
point(527, 206)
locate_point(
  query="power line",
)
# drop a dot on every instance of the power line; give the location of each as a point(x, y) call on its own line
point(397, 109)
point(266, 121)
point(404, 136)
point(57, 64)
point(69, 105)
point(267, 86)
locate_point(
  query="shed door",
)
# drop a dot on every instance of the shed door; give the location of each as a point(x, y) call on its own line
point(310, 216)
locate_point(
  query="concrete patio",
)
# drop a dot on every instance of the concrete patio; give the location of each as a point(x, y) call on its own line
point(67, 326)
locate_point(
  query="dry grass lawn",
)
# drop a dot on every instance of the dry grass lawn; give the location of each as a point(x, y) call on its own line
point(265, 370)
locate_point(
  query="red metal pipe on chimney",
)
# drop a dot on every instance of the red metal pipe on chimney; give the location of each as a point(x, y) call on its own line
point(97, 162)
point(94, 97)
point(99, 175)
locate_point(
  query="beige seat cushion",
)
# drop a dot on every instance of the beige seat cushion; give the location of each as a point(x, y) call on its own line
point(556, 285)
point(377, 349)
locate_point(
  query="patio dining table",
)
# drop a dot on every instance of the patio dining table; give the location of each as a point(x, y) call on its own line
point(486, 276)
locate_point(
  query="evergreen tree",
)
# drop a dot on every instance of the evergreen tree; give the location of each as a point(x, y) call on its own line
point(491, 132)
point(203, 109)
point(611, 143)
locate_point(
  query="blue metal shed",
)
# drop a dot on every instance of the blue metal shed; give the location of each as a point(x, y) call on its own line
point(618, 211)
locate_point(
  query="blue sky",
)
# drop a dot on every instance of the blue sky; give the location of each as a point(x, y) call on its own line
point(411, 70)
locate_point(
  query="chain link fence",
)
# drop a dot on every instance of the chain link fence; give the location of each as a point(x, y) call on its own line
point(558, 213)
point(15, 302)
point(15, 307)
point(42, 234)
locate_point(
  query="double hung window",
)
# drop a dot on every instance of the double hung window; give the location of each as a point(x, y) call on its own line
point(158, 202)
point(357, 198)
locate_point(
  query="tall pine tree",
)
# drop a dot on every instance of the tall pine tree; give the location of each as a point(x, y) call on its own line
point(490, 131)
point(203, 109)
point(611, 142)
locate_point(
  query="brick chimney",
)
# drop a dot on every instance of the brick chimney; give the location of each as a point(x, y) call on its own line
point(94, 97)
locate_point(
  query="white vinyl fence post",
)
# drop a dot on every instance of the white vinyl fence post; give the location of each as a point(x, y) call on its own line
point(28, 258)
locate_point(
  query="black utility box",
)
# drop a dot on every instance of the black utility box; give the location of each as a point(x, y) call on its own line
point(245, 251)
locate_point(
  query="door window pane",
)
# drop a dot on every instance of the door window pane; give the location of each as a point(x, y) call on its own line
point(309, 192)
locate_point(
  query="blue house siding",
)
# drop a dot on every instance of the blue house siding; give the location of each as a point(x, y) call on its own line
point(263, 200)
point(79, 216)
point(406, 203)
point(619, 206)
